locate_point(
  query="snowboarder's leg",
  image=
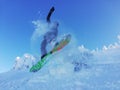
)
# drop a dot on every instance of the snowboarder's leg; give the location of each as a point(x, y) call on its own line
point(43, 48)
point(48, 37)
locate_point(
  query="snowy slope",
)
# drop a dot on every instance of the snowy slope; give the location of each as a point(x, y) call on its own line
point(101, 72)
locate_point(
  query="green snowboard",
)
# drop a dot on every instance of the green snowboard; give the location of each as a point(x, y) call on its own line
point(43, 61)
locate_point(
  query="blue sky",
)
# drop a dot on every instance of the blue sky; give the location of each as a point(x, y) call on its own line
point(93, 22)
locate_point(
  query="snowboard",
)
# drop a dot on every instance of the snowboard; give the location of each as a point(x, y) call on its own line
point(61, 44)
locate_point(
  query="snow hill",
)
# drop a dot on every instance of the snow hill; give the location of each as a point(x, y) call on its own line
point(71, 69)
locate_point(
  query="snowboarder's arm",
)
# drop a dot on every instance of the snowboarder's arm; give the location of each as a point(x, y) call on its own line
point(49, 14)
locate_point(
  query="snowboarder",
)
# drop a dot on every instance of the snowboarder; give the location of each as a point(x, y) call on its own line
point(51, 35)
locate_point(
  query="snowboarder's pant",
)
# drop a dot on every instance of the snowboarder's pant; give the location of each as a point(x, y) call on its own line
point(49, 36)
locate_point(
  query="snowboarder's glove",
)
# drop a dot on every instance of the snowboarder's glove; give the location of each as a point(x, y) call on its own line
point(52, 9)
